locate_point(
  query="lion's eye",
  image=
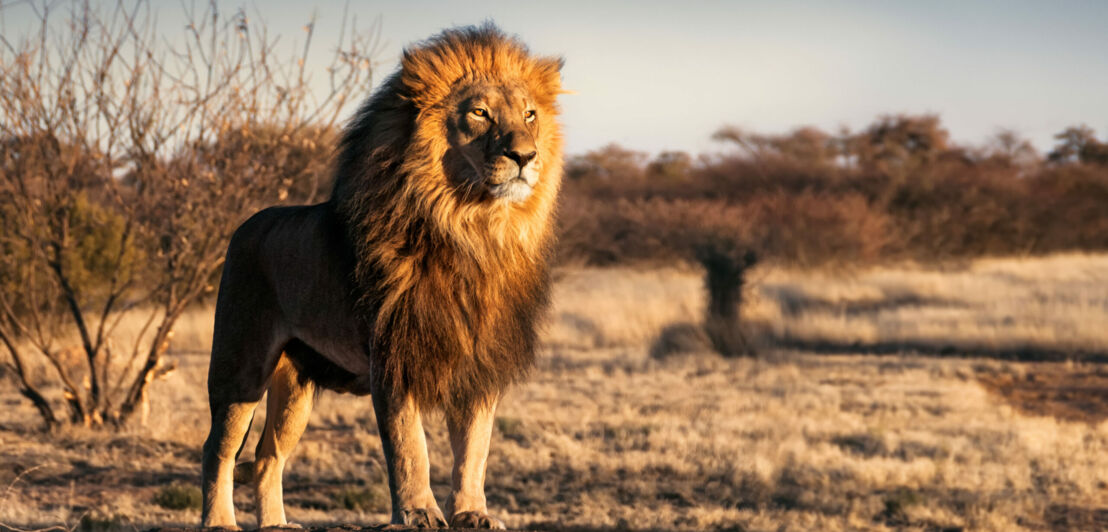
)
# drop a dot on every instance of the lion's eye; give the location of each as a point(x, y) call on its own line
point(478, 112)
point(529, 115)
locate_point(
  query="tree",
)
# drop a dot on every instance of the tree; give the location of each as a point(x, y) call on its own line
point(1078, 144)
point(806, 145)
point(670, 165)
point(128, 163)
point(612, 162)
point(1007, 148)
point(900, 143)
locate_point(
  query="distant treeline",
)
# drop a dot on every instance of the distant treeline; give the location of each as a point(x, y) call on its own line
point(897, 190)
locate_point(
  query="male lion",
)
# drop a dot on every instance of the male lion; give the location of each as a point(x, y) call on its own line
point(419, 281)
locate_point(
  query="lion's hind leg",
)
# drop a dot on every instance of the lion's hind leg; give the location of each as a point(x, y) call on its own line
point(230, 423)
point(245, 353)
point(288, 407)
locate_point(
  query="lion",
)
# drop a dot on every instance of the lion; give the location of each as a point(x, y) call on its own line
point(419, 282)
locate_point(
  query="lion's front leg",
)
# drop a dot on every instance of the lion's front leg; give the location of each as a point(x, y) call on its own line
point(401, 428)
point(470, 432)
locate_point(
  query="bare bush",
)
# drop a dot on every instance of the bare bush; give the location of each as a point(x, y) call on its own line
point(725, 268)
point(128, 161)
point(896, 190)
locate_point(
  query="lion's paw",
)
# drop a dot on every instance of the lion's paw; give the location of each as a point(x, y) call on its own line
point(422, 518)
point(475, 520)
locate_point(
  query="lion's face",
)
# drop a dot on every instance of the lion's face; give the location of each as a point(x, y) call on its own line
point(493, 133)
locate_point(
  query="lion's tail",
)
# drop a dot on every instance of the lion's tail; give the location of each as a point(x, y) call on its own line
point(244, 471)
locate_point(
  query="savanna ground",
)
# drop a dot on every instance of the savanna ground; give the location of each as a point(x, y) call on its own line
point(900, 398)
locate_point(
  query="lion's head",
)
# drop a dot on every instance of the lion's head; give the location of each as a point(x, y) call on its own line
point(465, 132)
point(487, 109)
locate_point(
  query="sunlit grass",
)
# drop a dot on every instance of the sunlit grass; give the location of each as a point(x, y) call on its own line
point(604, 435)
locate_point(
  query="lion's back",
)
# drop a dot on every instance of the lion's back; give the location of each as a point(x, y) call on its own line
point(288, 273)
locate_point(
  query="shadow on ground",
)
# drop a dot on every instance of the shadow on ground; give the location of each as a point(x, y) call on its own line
point(1058, 390)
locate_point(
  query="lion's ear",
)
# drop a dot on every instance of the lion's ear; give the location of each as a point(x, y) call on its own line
point(422, 75)
point(413, 65)
point(550, 67)
point(548, 73)
point(555, 63)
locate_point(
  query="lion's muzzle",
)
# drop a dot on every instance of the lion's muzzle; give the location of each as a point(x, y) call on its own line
point(513, 176)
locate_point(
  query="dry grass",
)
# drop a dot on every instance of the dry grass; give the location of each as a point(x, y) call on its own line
point(605, 436)
point(1054, 305)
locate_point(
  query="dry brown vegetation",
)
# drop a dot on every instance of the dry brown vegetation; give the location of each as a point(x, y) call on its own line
point(606, 436)
point(125, 163)
point(896, 190)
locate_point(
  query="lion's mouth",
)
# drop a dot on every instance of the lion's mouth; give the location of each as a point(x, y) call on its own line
point(513, 190)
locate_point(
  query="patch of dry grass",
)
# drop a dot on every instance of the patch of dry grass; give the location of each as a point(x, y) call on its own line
point(1043, 307)
point(605, 436)
point(620, 306)
point(1055, 305)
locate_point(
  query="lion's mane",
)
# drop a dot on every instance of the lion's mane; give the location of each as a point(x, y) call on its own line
point(452, 286)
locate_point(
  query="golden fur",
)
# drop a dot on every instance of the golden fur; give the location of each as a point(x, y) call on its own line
point(419, 281)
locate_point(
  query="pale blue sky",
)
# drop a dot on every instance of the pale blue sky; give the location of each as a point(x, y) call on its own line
point(664, 75)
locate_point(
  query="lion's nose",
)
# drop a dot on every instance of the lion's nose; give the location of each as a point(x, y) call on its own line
point(519, 157)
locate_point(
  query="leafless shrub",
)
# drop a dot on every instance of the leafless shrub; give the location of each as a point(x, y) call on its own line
point(126, 161)
point(725, 267)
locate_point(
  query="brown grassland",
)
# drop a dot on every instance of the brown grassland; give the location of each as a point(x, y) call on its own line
point(896, 398)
